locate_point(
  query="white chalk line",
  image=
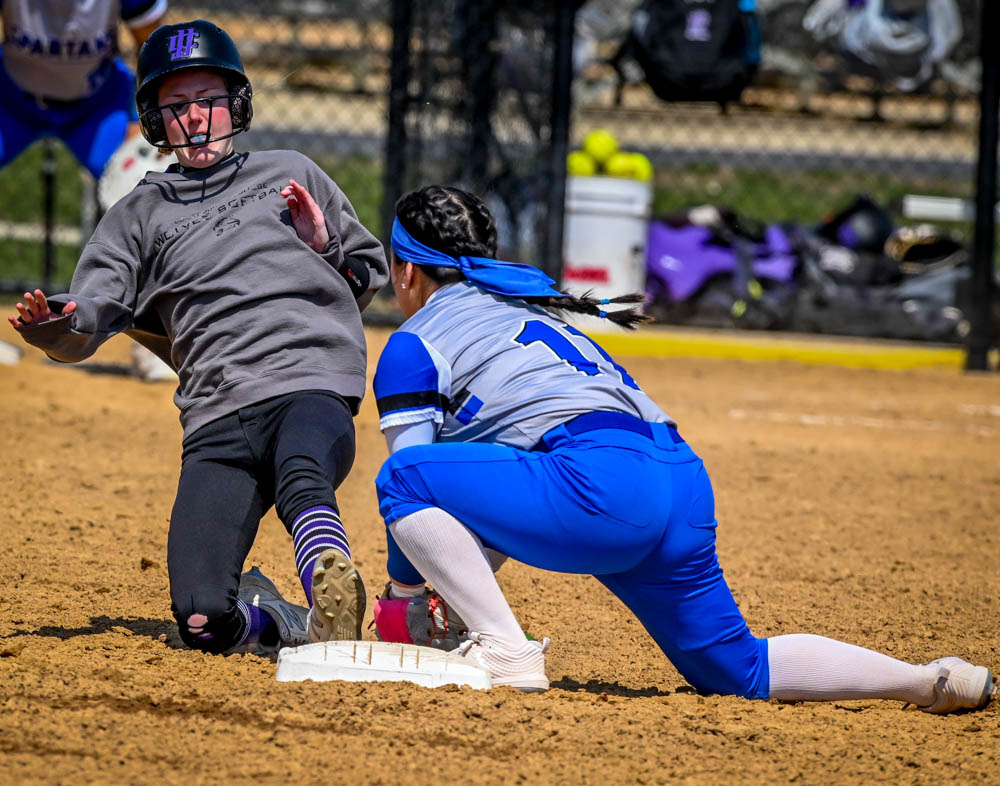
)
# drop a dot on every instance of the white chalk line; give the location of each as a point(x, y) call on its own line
point(980, 409)
point(811, 419)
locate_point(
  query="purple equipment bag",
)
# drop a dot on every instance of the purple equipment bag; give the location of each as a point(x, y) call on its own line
point(680, 260)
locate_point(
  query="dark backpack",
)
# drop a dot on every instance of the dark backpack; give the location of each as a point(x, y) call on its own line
point(694, 50)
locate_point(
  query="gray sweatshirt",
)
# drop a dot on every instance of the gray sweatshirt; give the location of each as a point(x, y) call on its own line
point(205, 268)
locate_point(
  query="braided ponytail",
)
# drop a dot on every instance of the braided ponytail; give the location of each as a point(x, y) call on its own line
point(458, 223)
point(587, 304)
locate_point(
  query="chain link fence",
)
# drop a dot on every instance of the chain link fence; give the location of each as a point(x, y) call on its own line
point(817, 127)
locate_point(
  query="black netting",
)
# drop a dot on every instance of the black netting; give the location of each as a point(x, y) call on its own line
point(470, 94)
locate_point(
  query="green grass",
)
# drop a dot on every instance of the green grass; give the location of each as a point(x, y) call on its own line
point(22, 261)
point(361, 180)
point(21, 201)
point(21, 187)
point(804, 197)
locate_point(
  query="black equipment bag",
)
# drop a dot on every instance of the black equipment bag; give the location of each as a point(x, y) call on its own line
point(695, 50)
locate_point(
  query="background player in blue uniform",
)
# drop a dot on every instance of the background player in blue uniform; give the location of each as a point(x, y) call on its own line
point(61, 76)
point(510, 431)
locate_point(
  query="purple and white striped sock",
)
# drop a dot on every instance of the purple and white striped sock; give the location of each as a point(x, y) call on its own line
point(257, 623)
point(313, 532)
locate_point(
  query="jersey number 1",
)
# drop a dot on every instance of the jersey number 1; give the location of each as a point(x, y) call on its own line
point(564, 348)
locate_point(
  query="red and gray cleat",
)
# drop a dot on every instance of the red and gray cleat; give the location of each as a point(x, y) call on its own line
point(425, 620)
point(960, 686)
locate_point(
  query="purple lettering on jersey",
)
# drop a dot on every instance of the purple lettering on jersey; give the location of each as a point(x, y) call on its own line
point(63, 49)
point(699, 24)
point(183, 43)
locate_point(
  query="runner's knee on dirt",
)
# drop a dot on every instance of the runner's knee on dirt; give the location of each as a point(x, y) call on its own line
point(221, 622)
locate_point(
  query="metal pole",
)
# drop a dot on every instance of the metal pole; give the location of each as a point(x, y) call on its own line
point(395, 141)
point(562, 99)
point(476, 46)
point(986, 192)
point(48, 211)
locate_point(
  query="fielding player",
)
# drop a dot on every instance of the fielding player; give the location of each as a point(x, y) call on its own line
point(250, 284)
point(511, 431)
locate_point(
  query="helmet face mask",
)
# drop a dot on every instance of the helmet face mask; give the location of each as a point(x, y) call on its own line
point(212, 105)
point(189, 45)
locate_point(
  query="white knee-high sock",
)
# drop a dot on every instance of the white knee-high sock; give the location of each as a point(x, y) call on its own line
point(814, 668)
point(454, 562)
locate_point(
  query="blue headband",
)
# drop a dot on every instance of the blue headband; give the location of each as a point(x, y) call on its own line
point(502, 278)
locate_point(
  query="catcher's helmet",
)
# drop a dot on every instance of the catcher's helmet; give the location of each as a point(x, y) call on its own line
point(197, 44)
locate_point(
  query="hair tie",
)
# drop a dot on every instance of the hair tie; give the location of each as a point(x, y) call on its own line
point(604, 315)
point(604, 301)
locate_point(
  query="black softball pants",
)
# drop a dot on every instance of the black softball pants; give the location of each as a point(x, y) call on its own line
point(292, 452)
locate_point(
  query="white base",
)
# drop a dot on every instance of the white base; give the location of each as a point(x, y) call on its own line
point(149, 367)
point(378, 661)
point(10, 354)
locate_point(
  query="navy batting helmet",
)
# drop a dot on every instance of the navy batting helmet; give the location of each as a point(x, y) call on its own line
point(197, 44)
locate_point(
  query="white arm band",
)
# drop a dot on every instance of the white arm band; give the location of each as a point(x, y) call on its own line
point(421, 433)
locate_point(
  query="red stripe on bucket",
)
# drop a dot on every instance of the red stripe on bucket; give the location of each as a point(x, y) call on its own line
point(589, 275)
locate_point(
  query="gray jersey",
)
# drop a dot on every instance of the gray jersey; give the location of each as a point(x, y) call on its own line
point(62, 49)
point(205, 267)
point(490, 369)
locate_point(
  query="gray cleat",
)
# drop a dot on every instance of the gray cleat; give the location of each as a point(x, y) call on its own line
point(258, 590)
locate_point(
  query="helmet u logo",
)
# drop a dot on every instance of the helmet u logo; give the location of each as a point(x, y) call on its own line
point(183, 43)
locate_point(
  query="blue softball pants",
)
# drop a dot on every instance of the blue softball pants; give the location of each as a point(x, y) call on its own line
point(636, 510)
point(92, 128)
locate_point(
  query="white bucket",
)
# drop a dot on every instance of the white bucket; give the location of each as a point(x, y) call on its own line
point(606, 230)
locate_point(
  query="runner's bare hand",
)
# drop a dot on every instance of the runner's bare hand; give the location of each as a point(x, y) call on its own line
point(307, 218)
point(35, 310)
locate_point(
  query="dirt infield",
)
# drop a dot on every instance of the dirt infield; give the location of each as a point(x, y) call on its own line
point(855, 503)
